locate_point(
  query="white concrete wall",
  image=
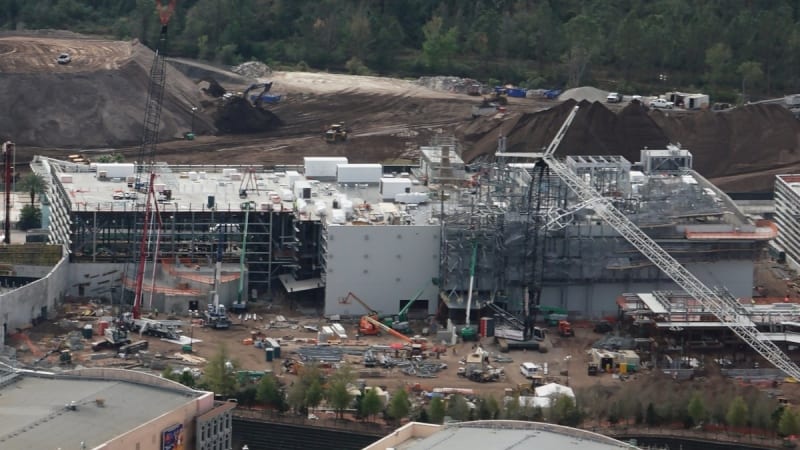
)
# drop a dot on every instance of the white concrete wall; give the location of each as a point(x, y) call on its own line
point(381, 265)
point(96, 278)
point(20, 306)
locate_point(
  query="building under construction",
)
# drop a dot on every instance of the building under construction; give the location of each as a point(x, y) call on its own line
point(332, 231)
point(534, 242)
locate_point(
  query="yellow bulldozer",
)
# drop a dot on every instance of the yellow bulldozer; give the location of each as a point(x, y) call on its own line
point(336, 133)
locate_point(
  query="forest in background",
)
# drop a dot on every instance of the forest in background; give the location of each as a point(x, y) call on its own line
point(721, 47)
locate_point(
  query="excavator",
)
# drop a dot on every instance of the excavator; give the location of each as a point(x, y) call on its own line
point(262, 97)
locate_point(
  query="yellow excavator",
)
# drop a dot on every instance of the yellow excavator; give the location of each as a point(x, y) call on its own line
point(336, 133)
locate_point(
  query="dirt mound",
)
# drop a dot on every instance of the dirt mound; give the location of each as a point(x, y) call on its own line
point(738, 141)
point(595, 131)
point(741, 149)
point(587, 93)
point(237, 115)
point(96, 101)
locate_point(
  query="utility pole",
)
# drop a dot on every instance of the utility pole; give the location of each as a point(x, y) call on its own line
point(8, 152)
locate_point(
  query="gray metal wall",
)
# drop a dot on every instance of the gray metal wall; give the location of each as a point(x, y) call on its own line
point(381, 265)
point(594, 300)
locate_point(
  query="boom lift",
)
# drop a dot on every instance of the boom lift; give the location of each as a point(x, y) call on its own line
point(215, 315)
point(152, 120)
point(417, 345)
point(365, 327)
point(718, 301)
point(241, 302)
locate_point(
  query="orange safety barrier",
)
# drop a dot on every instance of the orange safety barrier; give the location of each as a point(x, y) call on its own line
point(131, 284)
point(206, 279)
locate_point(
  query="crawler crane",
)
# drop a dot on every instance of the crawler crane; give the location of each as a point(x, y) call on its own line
point(717, 301)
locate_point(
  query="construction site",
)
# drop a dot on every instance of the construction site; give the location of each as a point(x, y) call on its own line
point(456, 254)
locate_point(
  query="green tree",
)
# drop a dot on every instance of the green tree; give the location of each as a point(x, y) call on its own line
point(564, 411)
point(488, 408)
point(220, 373)
point(307, 390)
point(583, 35)
point(314, 394)
point(30, 217)
point(34, 184)
point(440, 46)
point(270, 393)
point(696, 409)
point(457, 408)
point(789, 423)
point(436, 410)
point(751, 72)
point(650, 415)
point(736, 416)
point(399, 406)
point(371, 404)
point(338, 395)
point(718, 60)
point(187, 379)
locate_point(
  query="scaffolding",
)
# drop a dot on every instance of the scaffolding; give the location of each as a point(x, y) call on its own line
point(533, 233)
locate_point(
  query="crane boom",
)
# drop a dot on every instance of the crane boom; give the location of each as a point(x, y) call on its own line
point(369, 309)
point(719, 302)
point(152, 121)
point(404, 311)
point(389, 330)
point(239, 303)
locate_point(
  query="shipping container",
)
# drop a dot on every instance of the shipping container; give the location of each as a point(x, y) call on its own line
point(393, 186)
point(322, 166)
point(116, 170)
point(359, 173)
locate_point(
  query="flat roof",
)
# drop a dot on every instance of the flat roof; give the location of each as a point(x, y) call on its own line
point(269, 189)
point(33, 412)
point(511, 435)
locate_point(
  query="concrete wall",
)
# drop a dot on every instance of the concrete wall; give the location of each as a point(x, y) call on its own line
point(381, 265)
point(19, 307)
point(96, 279)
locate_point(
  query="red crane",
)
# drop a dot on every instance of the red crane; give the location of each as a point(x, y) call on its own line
point(152, 120)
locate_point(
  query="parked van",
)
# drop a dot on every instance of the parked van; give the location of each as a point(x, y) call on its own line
point(529, 369)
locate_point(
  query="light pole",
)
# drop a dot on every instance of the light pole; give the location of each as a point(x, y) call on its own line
point(194, 110)
point(566, 360)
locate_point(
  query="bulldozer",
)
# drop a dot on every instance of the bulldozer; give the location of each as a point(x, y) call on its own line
point(336, 133)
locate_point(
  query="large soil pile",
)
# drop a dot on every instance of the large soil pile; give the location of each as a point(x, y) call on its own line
point(739, 149)
point(595, 131)
point(97, 100)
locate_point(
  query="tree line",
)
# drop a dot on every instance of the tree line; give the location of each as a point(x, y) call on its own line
point(725, 407)
point(720, 46)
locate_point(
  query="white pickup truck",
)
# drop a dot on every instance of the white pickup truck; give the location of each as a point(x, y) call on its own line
point(661, 103)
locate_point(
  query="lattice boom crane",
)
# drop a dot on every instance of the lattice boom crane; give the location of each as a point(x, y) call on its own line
point(152, 121)
point(720, 303)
